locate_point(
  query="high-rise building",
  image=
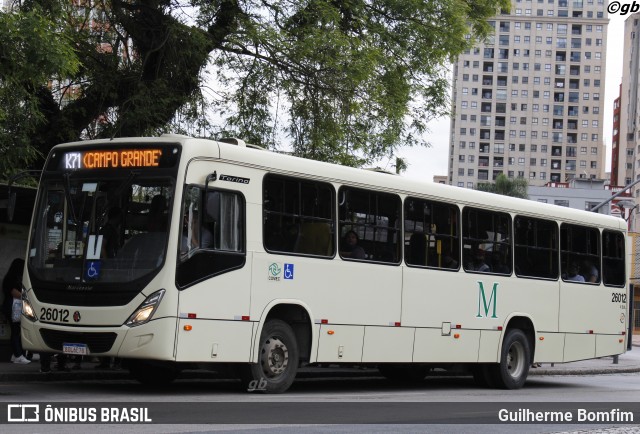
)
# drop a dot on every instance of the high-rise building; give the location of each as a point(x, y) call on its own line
point(529, 101)
point(626, 122)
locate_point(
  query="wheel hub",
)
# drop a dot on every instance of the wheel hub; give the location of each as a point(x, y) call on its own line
point(275, 357)
point(515, 360)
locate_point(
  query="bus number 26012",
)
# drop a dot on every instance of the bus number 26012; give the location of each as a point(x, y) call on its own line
point(617, 297)
point(56, 315)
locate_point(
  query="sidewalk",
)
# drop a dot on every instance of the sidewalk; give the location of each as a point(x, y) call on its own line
point(11, 372)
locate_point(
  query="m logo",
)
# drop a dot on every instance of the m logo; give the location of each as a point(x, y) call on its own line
point(483, 306)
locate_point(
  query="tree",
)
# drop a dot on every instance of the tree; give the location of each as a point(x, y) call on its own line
point(31, 52)
point(508, 187)
point(346, 81)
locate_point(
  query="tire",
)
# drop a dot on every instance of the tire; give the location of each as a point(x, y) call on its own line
point(404, 373)
point(278, 360)
point(153, 374)
point(515, 359)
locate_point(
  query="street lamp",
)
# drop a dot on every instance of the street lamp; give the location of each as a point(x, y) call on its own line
point(629, 205)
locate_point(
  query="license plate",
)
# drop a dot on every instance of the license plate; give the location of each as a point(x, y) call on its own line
point(75, 349)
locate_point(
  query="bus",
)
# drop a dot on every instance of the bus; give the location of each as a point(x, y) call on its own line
point(175, 252)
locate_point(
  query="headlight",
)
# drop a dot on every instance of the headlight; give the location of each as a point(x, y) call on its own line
point(146, 310)
point(27, 309)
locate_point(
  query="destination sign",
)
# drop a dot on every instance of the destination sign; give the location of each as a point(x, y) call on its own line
point(112, 159)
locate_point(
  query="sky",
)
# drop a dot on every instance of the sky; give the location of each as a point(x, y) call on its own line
point(425, 163)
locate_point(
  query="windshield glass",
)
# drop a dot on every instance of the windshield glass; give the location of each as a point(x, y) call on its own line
point(89, 230)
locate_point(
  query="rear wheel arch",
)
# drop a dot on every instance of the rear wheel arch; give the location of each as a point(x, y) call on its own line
point(525, 324)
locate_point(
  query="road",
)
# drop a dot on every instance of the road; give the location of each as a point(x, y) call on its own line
point(338, 405)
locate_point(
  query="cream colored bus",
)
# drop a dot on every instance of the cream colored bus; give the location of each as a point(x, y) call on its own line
point(175, 252)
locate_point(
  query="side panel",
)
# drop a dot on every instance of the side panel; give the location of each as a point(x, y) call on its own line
point(579, 347)
point(214, 341)
point(475, 301)
point(340, 344)
point(387, 344)
point(489, 346)
point(223, 297)
point(607, 345)
point(341, 292)
point(432, 346)
point(550, 349)
point(592, 307)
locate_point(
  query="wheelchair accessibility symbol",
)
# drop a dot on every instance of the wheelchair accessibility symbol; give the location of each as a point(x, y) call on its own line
point(93, 270)
point(288, 271)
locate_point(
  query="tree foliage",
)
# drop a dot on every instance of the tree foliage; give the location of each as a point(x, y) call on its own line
point(32, 51)
point(347, 81)
point(508, 187)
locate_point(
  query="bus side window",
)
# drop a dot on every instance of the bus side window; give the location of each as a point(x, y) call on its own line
point(580, 247)
point(431, 233)
point(298, 216)
point(212, 240)
point(374, 218)
point(536, 247)
point(486, 236)
point(613, 263)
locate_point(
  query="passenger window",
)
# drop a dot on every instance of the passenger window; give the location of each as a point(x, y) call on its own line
point(613, 259)
point(580, 253)
point(298, 216)
point(431, 234)
point(536, 247)
point(486, 238)
point(369, 225)
point(212, 238)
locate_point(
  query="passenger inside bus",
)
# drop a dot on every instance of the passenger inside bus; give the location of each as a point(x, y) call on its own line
point(589, 272)
point(572, 273)
point(350, 248)
point(498, 265)
point(479, 263)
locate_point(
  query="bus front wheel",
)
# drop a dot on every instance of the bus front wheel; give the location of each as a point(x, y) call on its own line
point(278, 360)
point(515, 358)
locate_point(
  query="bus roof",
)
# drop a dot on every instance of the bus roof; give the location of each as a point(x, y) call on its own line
point(295, 166)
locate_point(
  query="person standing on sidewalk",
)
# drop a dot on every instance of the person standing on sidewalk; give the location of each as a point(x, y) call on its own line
point(12, 307)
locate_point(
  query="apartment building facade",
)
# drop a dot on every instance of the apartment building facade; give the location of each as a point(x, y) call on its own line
point(529, 101)
point(626, 122)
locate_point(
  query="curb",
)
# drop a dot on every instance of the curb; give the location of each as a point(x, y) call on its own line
point(585, 371)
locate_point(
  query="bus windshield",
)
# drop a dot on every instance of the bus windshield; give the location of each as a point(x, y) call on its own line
point(89, 230)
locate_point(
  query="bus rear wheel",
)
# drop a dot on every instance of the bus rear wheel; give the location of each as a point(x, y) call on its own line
point(278, 360)
point(515, 360)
